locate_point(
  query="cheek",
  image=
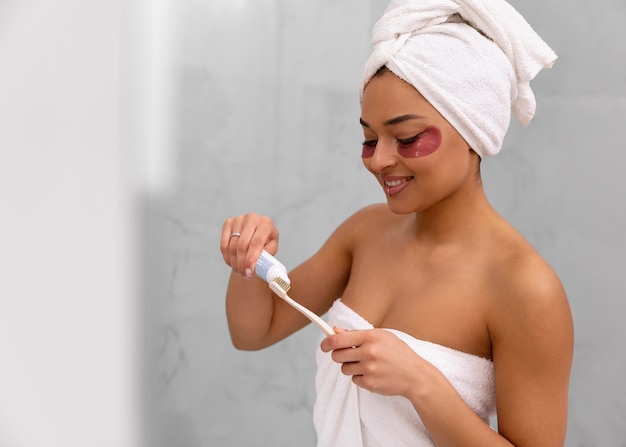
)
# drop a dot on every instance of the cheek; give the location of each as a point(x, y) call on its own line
point(428, 142)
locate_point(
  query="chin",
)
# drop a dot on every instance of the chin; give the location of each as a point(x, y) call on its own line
point(401, 209)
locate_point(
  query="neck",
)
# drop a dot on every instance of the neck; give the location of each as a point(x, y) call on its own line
point(455, 218)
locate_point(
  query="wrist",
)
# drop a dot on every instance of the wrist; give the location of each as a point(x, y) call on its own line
point(428, 387)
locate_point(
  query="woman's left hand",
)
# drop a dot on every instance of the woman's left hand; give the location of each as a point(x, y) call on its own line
point(377, 360)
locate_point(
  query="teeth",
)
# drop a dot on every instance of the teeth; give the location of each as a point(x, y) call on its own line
point(392, 183)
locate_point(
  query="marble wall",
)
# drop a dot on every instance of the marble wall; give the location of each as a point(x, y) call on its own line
point(264, 118)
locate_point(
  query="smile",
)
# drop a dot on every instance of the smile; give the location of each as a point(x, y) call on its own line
point(395, 185)
point(396, 182)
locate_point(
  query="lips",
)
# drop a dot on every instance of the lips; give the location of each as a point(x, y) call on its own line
point(393, 185)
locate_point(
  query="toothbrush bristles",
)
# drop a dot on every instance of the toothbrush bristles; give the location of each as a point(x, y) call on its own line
point(282, 283)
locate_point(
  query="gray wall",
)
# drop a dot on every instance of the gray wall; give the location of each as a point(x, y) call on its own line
point(265, 114)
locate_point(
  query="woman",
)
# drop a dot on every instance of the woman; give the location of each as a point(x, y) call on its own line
point(444, 314)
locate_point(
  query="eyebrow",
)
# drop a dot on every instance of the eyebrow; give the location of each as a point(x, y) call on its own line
point(394, 121)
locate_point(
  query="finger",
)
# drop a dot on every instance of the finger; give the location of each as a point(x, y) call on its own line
point(342, 340)
point(227, 230)
point(326, 347)
point(243, 246)
point(358, 380)
point(347, 355)
point(237, 242)
point(259, 233)
point(264, 237)
point(352, 369)
point(249, 249)
point(240, 242)
point(243, 239)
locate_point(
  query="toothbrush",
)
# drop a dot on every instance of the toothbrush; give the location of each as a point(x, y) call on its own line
point(275, 274)
point(280, 287)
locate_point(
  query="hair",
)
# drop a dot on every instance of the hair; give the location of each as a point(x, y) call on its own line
point(382, 70)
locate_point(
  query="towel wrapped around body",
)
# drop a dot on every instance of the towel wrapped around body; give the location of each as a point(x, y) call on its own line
point(473, 60)
point(346, 415)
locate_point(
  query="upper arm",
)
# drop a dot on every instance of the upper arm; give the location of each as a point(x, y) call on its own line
point(532, 339)
point(322, 278)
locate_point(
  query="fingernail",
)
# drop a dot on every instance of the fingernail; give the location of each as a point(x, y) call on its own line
point(248, 273)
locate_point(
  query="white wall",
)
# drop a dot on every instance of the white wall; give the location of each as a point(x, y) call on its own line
point(68, 312)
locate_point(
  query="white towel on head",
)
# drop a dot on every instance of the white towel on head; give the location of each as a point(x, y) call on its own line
point(474, 79)
point(346, 415)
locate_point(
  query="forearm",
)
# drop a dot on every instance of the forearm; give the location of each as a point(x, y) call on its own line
point(249, 310)
point(448, 419)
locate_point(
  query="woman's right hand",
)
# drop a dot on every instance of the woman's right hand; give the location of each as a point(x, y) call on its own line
point(243, 239)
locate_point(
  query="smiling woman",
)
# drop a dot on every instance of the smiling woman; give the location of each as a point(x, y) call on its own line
point(442, 311)
point(265, 119)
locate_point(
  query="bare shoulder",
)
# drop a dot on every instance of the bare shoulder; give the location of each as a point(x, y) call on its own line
point(526, 287)
point(378, 213)
point(368, 218)
point(527, 295)
point(352, 233)
point(531, 330)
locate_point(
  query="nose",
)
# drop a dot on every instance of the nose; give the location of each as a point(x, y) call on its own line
point(385, 156)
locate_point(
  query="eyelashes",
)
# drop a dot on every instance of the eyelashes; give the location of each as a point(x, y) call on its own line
point(411, 140)
point(420, 145)
point(368, 148)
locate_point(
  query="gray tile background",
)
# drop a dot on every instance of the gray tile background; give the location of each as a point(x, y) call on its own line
point(267, 122)
point(213, 108)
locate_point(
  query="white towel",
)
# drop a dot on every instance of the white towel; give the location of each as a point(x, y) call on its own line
point(474, 79)
point(348, 416)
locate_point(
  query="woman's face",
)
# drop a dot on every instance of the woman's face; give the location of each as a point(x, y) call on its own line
point(416, 155)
